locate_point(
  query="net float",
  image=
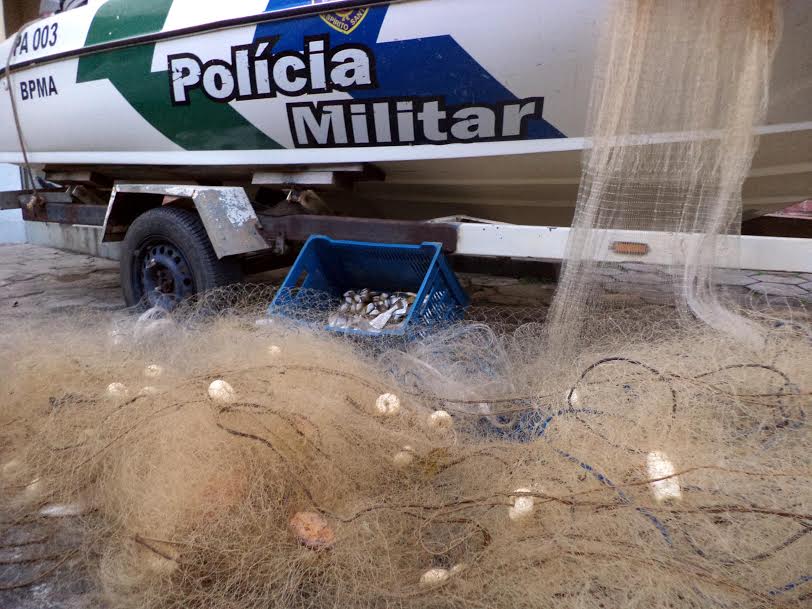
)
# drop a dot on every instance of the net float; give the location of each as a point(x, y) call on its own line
point(116, 390)
point(440, 419)
point(404, 457)
point(153, 371)
point(387, 404)
point(659, 466)
point(523, 505)
point(435, 576)
point(312, 530)
point(221, 391)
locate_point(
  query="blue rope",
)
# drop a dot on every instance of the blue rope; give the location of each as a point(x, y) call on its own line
point(606, 481)
point(791, 585)
point(528, 428)
point(532, 425)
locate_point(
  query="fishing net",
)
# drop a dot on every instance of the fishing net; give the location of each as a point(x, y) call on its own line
point(595, 455)
point(213, 461)
point(678, 89)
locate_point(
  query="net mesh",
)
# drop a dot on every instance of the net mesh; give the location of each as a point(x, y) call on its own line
point(596, 455)
point(664, 466)
point(677, 91)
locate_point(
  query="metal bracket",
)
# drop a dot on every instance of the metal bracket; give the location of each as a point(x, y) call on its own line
point(61, 206)
point(319, 177)
point(298, 228)
point(226, 212)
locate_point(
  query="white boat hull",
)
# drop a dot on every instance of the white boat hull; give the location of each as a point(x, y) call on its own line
point(463, 106)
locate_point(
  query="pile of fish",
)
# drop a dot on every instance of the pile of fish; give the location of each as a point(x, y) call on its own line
point(371, 311)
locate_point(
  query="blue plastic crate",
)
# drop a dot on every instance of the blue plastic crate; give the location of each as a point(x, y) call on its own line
point(329, 267)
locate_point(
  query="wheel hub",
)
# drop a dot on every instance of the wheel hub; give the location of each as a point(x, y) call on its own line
point(165, 275)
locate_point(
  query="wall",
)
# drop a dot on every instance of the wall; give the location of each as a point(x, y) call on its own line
point(12, 228)
point(15, 13)
point(78, 238)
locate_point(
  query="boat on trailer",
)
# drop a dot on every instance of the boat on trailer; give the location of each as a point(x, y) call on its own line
point(435, 107)
point(174, 127)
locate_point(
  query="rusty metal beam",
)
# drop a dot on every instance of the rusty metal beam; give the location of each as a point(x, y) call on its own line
point(65, 213)
point(83, 177)
point(300, 227)
point(14, 199)
point(10, 199)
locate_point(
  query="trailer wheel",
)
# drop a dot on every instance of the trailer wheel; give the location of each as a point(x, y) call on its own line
point(166, 256)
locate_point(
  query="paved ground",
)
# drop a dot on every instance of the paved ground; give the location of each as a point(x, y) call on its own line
point(37, 280)
point(40, 279)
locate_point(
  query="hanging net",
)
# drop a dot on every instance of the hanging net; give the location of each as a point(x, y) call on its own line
point(678, 89)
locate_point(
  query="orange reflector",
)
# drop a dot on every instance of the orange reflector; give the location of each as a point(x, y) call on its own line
point(632, 248)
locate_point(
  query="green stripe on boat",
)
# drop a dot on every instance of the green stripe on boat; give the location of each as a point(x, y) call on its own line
point(203, 125)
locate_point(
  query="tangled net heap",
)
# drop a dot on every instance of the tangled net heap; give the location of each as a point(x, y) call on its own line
point(611, 459)
point(659, 476)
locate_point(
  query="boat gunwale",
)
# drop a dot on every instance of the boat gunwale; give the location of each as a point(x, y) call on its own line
point(211, 26)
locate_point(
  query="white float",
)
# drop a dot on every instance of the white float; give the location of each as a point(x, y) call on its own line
point(404, 457)
point(659, 466)
point(62, 510)
point(221, 391)
point(153, 371)
point(523, 505)
point(432, 577)
point(387, 404)
point(116, 390)
point(440, 419)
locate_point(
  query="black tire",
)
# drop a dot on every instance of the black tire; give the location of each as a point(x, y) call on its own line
point(166, 256)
